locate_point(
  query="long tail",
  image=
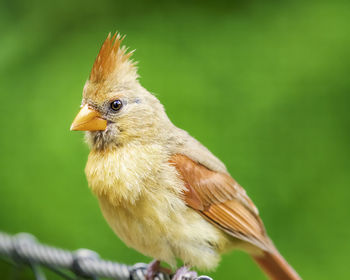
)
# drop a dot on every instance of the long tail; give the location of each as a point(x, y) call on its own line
point(275, 266)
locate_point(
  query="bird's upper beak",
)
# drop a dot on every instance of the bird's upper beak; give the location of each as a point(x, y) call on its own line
point(88, 119)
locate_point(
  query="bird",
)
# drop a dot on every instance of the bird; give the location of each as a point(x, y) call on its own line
point(160, 190)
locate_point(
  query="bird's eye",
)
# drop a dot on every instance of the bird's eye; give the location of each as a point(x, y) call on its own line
point(116, 105)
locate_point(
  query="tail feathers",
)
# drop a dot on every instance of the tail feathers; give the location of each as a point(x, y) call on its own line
point(275, 266)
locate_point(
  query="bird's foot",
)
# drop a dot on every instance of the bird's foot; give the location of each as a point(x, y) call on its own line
point(184, 273)
point(154, 268)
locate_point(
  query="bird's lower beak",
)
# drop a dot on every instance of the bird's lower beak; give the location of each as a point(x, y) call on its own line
point(88, 119)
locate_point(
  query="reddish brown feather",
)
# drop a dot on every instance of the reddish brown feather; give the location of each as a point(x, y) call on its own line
point(220, 199)
point(223, 202)
point(110, 55)
point(275, 266)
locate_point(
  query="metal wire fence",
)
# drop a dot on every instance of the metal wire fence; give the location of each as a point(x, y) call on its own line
point(24, 249)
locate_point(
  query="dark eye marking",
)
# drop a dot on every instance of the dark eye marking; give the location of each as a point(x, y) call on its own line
point(116, 105)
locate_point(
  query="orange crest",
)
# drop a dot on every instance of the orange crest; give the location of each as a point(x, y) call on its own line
point(109, 59)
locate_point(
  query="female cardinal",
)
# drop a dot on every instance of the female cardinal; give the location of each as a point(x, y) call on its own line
point(161, 191)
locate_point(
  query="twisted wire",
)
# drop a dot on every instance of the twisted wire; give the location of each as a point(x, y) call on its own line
point(24, 248)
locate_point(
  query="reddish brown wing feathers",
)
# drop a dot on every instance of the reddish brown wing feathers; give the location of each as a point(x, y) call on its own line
point(221, 200)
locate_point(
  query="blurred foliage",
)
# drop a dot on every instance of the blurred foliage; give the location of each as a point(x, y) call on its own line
point(264, 84)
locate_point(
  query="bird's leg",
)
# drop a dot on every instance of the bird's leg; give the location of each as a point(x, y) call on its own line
point(153, 268)
point(184, 273)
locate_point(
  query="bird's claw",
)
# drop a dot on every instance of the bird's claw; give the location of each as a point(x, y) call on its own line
point(154, 270)
point(183, 273)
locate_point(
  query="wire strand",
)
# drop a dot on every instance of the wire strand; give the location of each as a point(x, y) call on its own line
point(23, 248)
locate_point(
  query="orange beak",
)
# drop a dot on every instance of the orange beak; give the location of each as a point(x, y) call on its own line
point(88, 119)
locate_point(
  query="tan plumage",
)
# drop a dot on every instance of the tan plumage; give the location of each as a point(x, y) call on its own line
point(161, 191)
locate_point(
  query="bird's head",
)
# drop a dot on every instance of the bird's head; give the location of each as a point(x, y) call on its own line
point(115, 108)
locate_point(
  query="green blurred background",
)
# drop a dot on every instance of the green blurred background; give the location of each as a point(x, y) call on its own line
point(263, 84)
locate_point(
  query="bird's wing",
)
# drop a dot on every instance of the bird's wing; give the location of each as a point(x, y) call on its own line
point(221, 200)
